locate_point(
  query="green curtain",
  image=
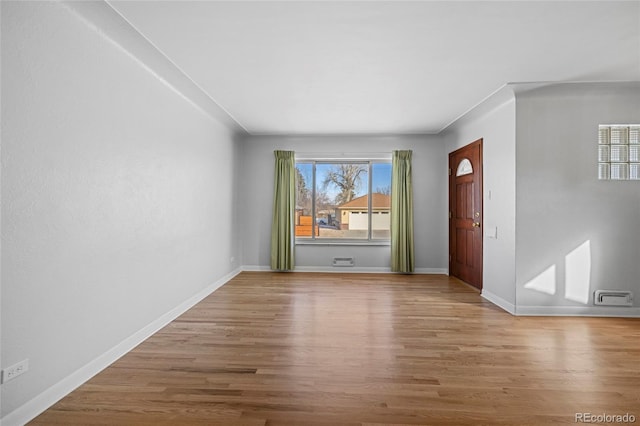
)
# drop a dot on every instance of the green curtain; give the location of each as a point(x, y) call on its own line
point(284, 204)
point(402, 256)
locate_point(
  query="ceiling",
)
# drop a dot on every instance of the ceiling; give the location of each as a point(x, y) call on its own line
point(379, 67)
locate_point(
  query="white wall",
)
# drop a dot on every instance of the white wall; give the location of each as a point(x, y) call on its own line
point(494, 122)
point(575, 234)
point(117, 197)
point(430, 210)
point(122, 200)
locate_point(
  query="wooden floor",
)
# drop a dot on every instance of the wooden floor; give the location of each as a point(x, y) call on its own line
point(362, 349)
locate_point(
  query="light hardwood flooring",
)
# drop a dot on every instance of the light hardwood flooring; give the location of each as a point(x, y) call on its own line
point(362, 349)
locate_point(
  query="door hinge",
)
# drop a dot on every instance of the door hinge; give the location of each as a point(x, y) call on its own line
point(450, 215)
point(449, 172)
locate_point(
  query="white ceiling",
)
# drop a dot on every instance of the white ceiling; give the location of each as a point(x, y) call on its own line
point(382, 67)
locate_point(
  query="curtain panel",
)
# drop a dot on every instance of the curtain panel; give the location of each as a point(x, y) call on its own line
point(284, 204)
point(402, 253)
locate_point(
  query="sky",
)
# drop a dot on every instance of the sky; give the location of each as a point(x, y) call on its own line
point(381, 177)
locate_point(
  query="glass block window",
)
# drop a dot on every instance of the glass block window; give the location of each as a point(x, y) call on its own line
point(619, 152)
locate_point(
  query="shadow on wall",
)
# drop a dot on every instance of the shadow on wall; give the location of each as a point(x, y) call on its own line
point(577, 276)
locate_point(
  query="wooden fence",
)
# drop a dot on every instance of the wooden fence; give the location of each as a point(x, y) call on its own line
point(304, 227)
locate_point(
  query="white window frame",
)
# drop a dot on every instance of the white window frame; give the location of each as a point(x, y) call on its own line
point(360, 158)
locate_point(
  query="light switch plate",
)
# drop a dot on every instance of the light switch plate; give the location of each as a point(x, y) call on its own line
point(491, 232)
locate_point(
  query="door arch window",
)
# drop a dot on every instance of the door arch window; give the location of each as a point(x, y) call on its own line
point(464, 168)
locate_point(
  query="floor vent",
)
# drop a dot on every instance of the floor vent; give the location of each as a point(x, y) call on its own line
point(343, 261)
point(613, 298)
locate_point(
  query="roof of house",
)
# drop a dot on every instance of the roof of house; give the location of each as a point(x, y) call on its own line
point(379, 201)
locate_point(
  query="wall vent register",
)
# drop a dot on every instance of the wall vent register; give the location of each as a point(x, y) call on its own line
point(619, 152)
point(344, 261)
point(613, 298)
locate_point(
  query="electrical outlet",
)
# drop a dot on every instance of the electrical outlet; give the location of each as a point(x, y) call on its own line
point(15, 370)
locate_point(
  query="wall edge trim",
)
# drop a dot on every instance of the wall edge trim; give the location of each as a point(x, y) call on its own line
point(578, 311)
point(346, 270)
point(38, 404)
point(498, 301)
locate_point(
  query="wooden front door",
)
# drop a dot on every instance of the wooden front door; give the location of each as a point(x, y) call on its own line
point(465, 214)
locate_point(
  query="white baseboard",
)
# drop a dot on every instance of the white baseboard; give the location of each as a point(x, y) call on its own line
point(347, 269)
point(40, 403)
point(255, 268)
point(46, 399)
point(578, 311)
point(343, 269)
point(432, 271)
point(558, 311)
point(499, 301)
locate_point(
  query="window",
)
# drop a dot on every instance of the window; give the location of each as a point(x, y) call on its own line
point(464, 168)
point(619, 152)
point(340, 201)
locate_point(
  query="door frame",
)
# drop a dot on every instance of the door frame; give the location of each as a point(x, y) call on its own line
point(479, 181)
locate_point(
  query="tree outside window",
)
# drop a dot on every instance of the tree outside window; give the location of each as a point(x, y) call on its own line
point(343, 200)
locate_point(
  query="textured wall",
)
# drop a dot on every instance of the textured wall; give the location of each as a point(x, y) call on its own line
point(575, 233)
point(430, 210)
point(117, 196)
point(495, 123)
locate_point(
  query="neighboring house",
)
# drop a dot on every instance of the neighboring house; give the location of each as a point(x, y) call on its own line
point(353, 214)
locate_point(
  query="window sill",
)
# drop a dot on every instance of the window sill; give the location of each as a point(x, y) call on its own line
point(330, 242)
